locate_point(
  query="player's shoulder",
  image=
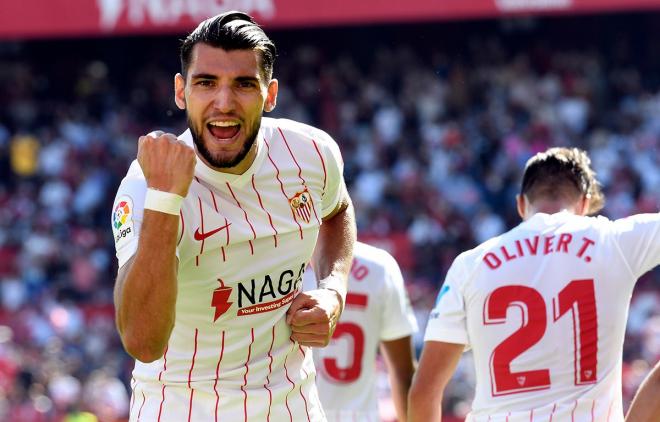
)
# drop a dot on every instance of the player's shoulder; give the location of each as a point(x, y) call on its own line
point(296, 130)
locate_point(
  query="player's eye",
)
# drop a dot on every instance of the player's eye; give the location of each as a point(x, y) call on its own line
point(247, 84)
point(204, 83)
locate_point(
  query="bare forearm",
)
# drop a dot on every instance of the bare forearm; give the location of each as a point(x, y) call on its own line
point(334, 248)
point(400, 360)
point(424, 407)
point(145, 293)
point(436, 367)
point(400, 388)
point(646, 406)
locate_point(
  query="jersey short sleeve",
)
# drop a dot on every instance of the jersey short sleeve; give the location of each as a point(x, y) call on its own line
point(448, 322)
point(639, 240)
point(334, 168)
point(398, 318)
point(127, 213)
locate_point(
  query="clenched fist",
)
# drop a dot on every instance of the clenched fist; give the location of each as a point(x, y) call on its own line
point(168, 163)
point(313, 316)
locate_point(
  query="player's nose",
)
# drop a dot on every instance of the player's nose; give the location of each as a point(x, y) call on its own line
point(224, 100)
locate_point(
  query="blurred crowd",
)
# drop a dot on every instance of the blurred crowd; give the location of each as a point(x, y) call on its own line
point(435, 127)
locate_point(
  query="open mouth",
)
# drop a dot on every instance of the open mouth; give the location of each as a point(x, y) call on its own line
point(224, 130)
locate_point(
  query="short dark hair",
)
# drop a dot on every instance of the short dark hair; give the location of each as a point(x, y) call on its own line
point(562, 174)
point(231, 31)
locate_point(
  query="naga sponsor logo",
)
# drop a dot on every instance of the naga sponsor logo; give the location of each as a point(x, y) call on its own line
point(122, 220)
point(270, 293)
point(170, 12)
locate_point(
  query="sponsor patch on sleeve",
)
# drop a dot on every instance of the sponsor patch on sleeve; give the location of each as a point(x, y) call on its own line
point(122, 221)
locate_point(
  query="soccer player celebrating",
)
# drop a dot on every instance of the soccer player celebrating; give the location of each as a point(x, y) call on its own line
point(543, 306)
point(213, 232)
point(377, 313)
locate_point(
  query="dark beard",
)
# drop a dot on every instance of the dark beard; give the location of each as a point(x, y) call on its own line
point(217, 162)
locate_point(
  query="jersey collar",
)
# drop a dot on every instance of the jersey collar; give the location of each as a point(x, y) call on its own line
point(217, 177)
point(541, 219)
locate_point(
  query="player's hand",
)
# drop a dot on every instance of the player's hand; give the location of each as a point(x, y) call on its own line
point(168, 163)
point(313, 316)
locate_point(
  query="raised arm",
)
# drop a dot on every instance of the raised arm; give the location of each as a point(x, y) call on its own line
point(146, 287)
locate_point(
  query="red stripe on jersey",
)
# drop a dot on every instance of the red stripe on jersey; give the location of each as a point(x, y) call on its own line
point(292, 156)
point(192, 365)
point(507, 416)
point(192, 393)
point(573, 411)
point(215, 205)
point(553, 411)
point(306, 376)
point(201, 219)
point(293, 386)
point(277, 176)
point(531, 415)
point(357, 299)
point(254, 234)
point(141, 406)
point(132, 394)
point(217, 375)
point(300, 175)
point(325, 173)
point(270, 370)
point(261, 204)
point(183, 228)
point(160, 376)
point(247, 369)
point(609, 410)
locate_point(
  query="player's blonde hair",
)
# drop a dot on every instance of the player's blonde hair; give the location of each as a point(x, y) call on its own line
point(562, 174)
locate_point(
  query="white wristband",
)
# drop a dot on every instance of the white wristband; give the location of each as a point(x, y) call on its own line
point(166, 202)
point(332, 282)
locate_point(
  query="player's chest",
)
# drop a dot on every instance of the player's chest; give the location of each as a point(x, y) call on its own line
point(270, 210)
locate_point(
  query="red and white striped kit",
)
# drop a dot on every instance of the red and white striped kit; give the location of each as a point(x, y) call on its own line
point(243, 248)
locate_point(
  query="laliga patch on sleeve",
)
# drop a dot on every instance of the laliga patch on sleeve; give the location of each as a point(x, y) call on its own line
point(122, 221)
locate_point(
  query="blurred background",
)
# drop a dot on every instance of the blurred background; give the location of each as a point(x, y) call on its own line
point(436, 106)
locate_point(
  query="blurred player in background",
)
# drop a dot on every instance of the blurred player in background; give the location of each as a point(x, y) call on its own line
point(645, 407)
point(543, 306)
point(213, 232)
point(377, 313)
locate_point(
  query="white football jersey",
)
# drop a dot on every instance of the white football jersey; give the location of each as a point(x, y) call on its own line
point(544, 308)
point(377, 309)
point(244, 242)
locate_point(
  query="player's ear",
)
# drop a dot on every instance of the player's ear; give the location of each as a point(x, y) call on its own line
point(583, 205)
point(271, 95)
point(521, 203)
point(180, 91)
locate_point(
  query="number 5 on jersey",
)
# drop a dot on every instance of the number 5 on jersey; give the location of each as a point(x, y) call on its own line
point(578, 297)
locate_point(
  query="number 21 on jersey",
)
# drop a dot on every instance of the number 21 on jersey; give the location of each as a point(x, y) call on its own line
point(578, 298)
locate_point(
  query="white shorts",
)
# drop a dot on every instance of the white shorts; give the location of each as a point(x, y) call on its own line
point(155, 402)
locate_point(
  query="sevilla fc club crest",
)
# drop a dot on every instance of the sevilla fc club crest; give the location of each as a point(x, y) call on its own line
point(301, 204)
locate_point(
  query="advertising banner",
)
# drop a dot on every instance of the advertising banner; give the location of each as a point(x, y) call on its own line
point(60, 18)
